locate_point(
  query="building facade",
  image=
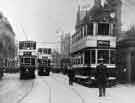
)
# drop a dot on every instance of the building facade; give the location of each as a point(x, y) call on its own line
point(126, 56)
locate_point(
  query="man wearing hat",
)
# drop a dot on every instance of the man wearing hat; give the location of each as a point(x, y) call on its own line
point(71, 75)
point(101, 75)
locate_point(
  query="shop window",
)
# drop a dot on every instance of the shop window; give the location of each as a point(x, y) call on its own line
point(103, 54)
point(103, 29)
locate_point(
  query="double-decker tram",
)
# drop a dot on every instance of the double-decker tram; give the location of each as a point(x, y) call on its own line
point(92, 41)
point(44, 61)
point(27, 59)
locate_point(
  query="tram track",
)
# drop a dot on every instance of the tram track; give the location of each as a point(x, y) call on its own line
point(71, 89)
point(27, 93)
point(50, 90)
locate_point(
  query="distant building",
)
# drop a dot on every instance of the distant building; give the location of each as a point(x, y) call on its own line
point(126, 56)
point(7, 38)
point(65, 45)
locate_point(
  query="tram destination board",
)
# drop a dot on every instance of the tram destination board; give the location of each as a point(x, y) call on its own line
point(103, 43)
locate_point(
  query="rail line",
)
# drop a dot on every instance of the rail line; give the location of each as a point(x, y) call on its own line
point(72, 89)
point(50, 90)
point(27, 93)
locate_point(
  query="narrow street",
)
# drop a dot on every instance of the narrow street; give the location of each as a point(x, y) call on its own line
point(55, 89)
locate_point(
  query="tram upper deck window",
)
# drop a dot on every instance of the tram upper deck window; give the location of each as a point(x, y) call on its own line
point(90, 29)
point(26, 45)
point(103, 54)
point(49, 51)
point(20, 45)
point(103, 29)
point(40, 50)
point(45, 51)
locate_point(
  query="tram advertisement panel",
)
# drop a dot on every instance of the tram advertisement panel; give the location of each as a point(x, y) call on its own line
point(103, 43)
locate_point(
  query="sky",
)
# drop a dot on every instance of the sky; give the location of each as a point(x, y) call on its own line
point(40, 19)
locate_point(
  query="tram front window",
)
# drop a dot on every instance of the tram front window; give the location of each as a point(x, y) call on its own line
point(27, 60)
point(103, 54)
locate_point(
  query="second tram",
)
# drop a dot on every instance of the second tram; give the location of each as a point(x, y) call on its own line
point(44, 61)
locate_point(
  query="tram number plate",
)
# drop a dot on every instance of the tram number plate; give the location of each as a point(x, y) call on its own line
point(103, 44)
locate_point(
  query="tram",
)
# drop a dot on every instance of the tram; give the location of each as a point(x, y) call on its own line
point(44, 61)
point(95, 37)
point(94, 40)
point(27, 59)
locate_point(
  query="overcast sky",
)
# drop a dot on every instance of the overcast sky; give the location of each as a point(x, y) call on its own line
point(40, 19)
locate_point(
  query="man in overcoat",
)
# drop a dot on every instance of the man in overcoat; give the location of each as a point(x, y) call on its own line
point(71, 75)
point(101, 77)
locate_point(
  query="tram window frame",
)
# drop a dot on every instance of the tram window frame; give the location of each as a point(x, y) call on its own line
point(49, 51)
point(33, 62)
point(87, 57)
point(21, 45)
point(103, 29)
point(93, 55)
point(85, 30)
point(22, 60)
point(90, 29)
point(27, 62)
point(114, 55)
point(104, 55)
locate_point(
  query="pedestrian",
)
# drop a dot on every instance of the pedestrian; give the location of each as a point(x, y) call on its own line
point(101, 77)
point(71, 75)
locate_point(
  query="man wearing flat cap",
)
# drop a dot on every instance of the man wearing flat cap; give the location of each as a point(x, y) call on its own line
point(101, 76)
